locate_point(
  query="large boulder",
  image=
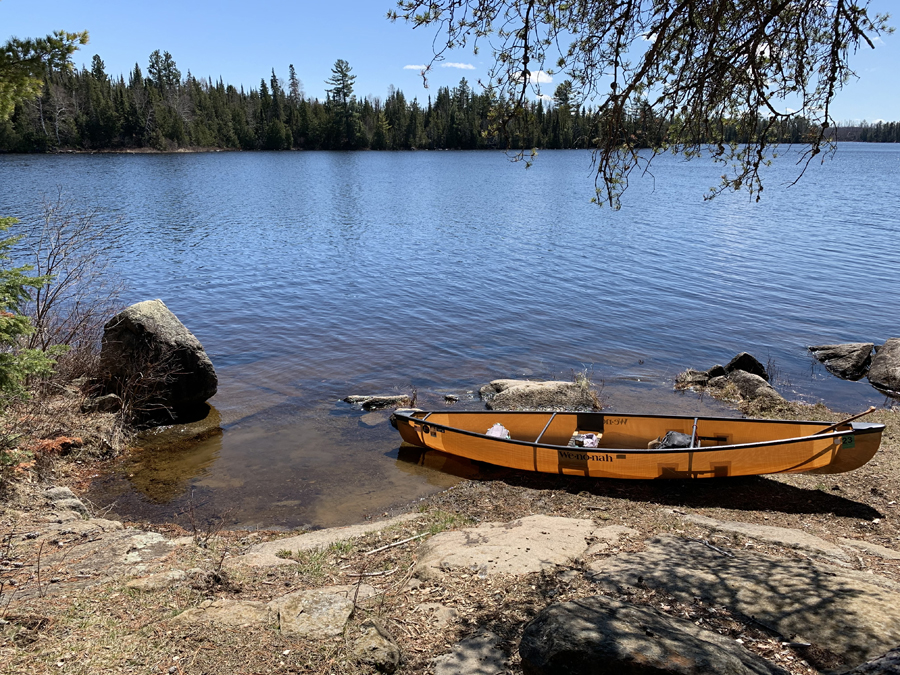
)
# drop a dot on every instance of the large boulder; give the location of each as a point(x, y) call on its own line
point(575, 638)
point(153, 361)
point(849, 361)
point(747, 363)
point(884, 373)
point(531, 395)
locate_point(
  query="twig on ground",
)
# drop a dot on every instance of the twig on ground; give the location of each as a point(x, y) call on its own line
point(396, 543)
point(382, 573)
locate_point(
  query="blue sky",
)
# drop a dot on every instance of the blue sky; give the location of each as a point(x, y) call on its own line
point(243, 41)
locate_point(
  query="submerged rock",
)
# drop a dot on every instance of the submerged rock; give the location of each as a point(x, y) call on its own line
point(884, 373)
point(848, 361)
point(379, 401)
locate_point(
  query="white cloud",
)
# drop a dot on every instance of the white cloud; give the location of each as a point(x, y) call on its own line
point(461, 66)
point(414, 67)
point(536, 77)
point(649, 37)
point(545, 97)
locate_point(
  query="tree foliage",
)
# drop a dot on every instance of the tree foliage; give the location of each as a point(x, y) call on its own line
point(23, 64)
point(698, 64)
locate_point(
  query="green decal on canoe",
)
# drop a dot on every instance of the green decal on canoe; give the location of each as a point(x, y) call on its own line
point(848, 441)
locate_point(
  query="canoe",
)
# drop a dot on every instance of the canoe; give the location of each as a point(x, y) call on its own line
point(615, 445)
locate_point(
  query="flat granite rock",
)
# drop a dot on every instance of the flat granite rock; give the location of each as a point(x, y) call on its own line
point(227, 612)
point(478, 654)
point(318, 613)
point(529, 544)
point(83, 553)
point(572, 638)
point(783, 536)
point(852, 614)
point(266, 554)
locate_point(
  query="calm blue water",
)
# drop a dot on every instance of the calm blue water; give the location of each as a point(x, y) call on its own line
point(311, 276)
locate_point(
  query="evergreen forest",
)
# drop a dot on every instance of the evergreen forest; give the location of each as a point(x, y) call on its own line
point(89, 110)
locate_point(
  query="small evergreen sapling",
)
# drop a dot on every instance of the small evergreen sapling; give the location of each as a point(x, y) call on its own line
point(17, 363)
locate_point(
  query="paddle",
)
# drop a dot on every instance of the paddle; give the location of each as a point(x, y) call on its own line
point(849, 419)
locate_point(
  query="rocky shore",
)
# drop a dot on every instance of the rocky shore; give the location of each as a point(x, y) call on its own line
point(514, 573)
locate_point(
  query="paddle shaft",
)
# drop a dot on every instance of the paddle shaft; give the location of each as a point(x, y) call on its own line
point(849, 419)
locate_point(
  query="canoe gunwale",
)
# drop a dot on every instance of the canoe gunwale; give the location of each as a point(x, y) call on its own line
point(856, 429)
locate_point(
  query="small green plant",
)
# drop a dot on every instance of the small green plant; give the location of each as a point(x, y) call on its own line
point(283, 553)
point(17, 363)
point(312, 563)
point(443, 520)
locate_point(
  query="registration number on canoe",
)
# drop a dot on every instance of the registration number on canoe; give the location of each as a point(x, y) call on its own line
point(615, 421)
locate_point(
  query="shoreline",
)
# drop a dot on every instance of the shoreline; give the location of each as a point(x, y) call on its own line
point(187, 583)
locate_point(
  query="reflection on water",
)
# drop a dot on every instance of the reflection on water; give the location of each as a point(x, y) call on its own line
point(312, 276)
point(289, 465)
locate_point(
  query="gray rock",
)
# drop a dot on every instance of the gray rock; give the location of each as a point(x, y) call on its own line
point(848, 361)
point(574, 638)
point(376, 648)
point(752, 387)
point(884, 373)
point(149, 340)
point(529, 544)
point(157, 582)
point(852, 614)
point(747, 363)
point(318, 613)
point(782, 536)
point(692, 378)
point(377, 402)
point(529, 395)
point(92, 552)
point(56, 494)
point(440, 615)
point(888, 664)
point(716, 371)
point(870, 549)
point(75, 505)
point(109, 403)
point(478, 654)
point(227, 612)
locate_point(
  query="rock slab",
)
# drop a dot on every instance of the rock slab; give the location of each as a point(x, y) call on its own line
point(575, 638)
point(854, 615)
point(529, 544)
point(478, 654)
point(147, 338)
point(265, 554)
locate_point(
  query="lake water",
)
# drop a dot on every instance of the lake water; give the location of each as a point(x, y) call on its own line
point(312, 276)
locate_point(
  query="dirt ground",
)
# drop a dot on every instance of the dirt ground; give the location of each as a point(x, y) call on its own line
point(112, 629)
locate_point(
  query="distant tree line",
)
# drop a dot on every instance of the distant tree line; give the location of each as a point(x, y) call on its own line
point(89, 110)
